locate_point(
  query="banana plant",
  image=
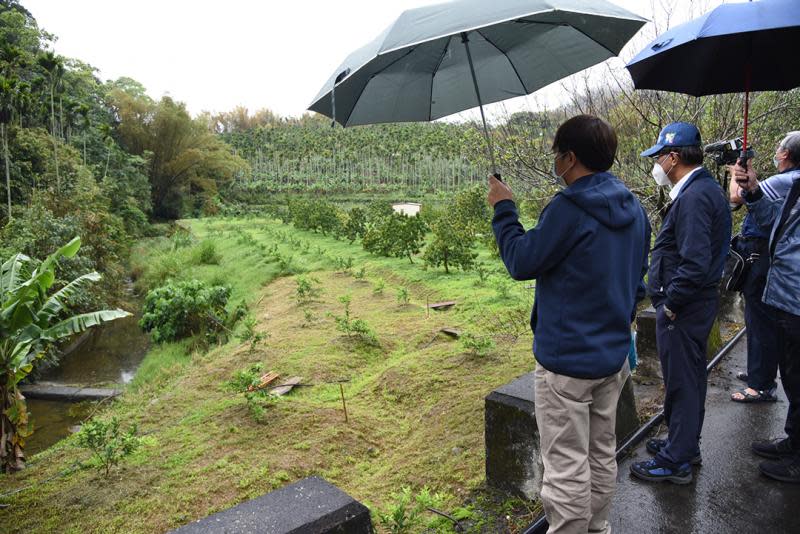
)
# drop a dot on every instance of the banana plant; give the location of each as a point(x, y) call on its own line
point(31, 321)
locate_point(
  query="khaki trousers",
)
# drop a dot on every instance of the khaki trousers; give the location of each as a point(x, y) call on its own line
point(576, 420)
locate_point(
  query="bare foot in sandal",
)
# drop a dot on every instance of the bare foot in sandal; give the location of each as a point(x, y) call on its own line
point(749, 395)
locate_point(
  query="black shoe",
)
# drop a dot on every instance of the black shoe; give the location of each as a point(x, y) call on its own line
point(786, 470)
point(655, 445)
point(774, 449)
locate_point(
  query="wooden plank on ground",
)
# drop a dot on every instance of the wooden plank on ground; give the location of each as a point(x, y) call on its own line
point(442, 305)
point(287, 386)
point(265, 381)
point(452, 332)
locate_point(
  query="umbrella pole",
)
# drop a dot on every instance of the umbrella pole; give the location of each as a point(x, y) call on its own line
point(744, 156)
point(489, 147)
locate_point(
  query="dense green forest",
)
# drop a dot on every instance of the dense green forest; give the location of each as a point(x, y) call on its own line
point(104, 160)
point(91, 158)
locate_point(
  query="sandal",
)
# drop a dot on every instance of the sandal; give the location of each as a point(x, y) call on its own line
point(746, 397)
point(742, 375)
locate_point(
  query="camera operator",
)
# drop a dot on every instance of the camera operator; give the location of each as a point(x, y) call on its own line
point(753, 245)
point(588, 254)
point(782, 294)
point(685, 269)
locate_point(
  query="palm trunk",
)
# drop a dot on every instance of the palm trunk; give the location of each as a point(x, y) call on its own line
point(61, 118)
point(4, 131)
point(108, 158)
point(55, 143)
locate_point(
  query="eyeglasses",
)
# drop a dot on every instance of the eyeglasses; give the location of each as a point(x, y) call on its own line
point(657, 157)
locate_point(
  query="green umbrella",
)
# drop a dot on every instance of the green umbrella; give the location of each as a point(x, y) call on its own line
point(442, 59)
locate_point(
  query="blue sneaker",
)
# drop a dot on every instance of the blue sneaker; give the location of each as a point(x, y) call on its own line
point(655, 471)
point(655, 445)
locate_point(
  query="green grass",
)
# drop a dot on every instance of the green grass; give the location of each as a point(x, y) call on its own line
point(414, 404)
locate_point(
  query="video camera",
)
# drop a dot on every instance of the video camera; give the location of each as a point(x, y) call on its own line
point(728, 152)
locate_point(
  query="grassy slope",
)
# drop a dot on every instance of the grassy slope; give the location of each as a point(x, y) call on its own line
point(415, 405)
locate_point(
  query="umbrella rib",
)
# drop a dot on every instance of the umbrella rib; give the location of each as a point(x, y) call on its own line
point(433, 75)
point(613, 54)
point(505, 55)
point(361, 93)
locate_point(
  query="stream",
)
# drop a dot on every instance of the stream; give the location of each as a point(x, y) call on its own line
point(108, 357)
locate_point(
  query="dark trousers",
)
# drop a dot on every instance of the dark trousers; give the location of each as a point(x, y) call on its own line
point(759, 318)
point(789, 326)
point(682, 345)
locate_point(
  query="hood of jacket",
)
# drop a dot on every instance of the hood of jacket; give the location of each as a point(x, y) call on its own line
point(605, 198)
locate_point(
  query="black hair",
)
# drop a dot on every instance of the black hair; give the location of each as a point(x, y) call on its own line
point(689, 155)
point(591, 139)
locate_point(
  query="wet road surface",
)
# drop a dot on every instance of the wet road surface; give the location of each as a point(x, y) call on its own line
point(728, 494)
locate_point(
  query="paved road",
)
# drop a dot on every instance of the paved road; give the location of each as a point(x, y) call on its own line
point(728, 495)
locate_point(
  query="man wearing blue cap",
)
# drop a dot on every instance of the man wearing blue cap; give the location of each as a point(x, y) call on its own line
point(685, 269)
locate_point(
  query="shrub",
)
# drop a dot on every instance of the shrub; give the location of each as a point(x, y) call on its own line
point(452, 243)
point(286, 265)
point(402, 296)
point(249, 333)
point(356, 224)
point(345, 265)
point(107, 442)
point(379, 286)
point(354, 328)
point(477, 345)
point(405, 514)
point(242, 380)
point(181, 239)
point(258, 400)
point(395, 235)
point(182, 309)
point(307, 289)
point(315, 215)
point(308, 318)
point(503, 286)
point(207, 254)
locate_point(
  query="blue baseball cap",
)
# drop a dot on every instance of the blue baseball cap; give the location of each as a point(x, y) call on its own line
point(677, 134)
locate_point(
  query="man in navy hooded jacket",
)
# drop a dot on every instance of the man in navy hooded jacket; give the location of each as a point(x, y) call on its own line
point(588, 254)
point(685, 270)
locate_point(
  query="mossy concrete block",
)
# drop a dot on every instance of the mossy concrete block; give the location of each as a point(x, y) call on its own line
point(627, 414)
point(513, 450)
point(649, 364)
point(731, 307)
point(310, 506)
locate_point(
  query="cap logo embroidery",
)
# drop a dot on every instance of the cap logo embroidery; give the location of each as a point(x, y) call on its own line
point(670, 137)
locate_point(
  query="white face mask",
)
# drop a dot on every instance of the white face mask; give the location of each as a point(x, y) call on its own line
point(559, 177)
point(776, 161)
point(661, 177)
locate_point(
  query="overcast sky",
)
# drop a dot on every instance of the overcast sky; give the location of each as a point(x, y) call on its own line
point(216, 55)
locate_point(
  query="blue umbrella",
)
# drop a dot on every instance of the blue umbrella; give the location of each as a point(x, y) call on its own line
point(733, 48)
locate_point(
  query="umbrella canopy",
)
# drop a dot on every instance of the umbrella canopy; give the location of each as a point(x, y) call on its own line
point(438, 60)
point(734, 48)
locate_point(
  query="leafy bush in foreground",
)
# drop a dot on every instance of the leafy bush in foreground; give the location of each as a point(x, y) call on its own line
point(182, 309)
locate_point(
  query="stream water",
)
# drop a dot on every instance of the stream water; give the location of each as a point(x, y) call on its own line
point(108, 357)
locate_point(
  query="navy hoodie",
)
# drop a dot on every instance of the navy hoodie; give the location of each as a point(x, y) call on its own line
point(588, 254)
